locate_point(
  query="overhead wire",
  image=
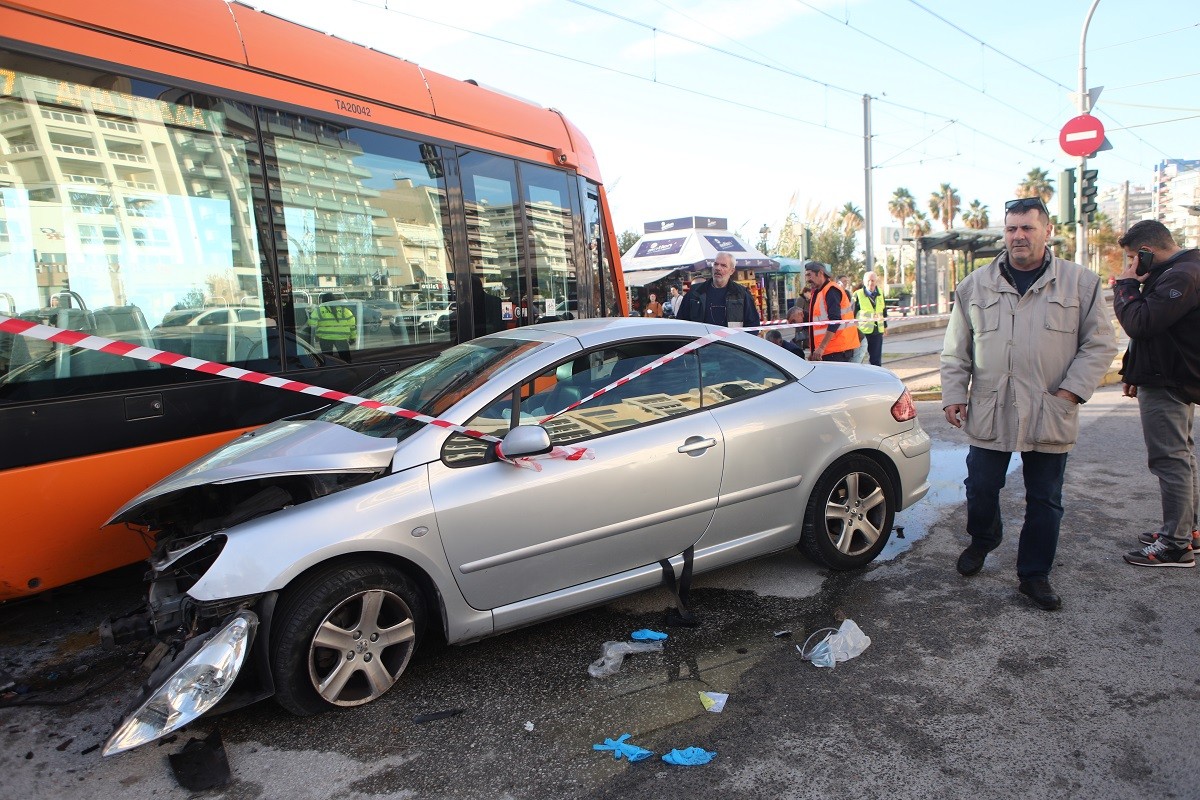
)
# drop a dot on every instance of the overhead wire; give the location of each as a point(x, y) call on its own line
point(755, 62)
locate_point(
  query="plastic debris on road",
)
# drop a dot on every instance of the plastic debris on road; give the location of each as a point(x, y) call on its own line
point(529, 726)
point(839, 644)
point(713, 701)
point(647, 635)
point(689, 757)
point(202, 764)
point(612, 655)
point(621, 748)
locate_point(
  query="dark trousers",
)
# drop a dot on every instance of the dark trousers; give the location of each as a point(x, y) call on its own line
point(874, 348)
point(841, 355)
point(986, 473)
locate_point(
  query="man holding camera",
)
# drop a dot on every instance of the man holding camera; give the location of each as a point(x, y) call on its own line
point(1028, 341)
point(1157, 301)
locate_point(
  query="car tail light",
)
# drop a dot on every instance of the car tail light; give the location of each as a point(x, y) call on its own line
point(904, 409)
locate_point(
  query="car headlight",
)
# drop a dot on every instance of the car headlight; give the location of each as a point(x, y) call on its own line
point(192, 689)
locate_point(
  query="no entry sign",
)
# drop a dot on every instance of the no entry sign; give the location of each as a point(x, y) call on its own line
point(1081, 136)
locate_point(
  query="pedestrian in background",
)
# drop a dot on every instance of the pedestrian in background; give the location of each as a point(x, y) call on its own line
point(720, 301)
point(671, 307)
point(1029, 339)
point(798, 315)
point(1157, 301)
point(870, 309)
point(334, 327)
point(830, 340)
point(653, 307)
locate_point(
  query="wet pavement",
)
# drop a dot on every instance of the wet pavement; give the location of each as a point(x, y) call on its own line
point(965, 690)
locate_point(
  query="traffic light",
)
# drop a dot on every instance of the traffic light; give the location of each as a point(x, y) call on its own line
point(1066, 197)
point(806, 243)
point(1087, 191)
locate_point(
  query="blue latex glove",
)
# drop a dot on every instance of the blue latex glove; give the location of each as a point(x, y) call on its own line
point(647, 635)
point(688, 757)
point(620, 748)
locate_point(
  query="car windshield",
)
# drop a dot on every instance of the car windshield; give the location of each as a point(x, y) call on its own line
point(433, 306)
point(431, 387)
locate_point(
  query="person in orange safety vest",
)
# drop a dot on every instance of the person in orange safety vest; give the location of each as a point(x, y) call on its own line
point(835, 341)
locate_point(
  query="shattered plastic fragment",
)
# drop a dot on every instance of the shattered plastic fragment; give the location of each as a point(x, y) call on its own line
point(432, 715)
point(713, 701)
point(201, 764)
point(529, 726)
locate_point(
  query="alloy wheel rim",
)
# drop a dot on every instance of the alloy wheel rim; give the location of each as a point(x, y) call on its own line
point(361, 647)
point(854, 513)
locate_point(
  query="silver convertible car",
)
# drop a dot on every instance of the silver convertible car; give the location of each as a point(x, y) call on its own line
point(306, 559)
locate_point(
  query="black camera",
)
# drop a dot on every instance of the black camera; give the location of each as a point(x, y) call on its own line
point(1145, 260)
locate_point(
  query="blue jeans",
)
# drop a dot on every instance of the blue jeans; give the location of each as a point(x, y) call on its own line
point(986, 472)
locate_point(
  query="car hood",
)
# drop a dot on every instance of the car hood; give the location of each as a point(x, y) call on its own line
point(288, 447)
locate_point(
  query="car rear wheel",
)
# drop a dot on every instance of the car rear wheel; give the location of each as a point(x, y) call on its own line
point(343, 637)
point(849, 515)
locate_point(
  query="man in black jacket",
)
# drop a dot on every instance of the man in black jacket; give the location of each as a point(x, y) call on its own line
point(720, 301)
point(1157, 301)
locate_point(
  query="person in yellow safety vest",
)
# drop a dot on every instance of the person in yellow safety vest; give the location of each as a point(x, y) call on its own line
point(870, 309)
point(834, 341)
point(334, 327)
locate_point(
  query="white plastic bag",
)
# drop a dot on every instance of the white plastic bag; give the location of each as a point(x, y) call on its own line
point(841, 644)
point(613, 654)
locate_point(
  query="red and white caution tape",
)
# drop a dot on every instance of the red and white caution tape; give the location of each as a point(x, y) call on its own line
point(100, 344)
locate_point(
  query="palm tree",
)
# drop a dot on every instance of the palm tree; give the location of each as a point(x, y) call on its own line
point(976, 216)
point(850, 218)
point(902, 206)
point(919, 225)
point(1037, 184)
point(944, 205)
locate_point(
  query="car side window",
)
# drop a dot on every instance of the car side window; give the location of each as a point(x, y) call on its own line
point(668, 391)
point(730, 373)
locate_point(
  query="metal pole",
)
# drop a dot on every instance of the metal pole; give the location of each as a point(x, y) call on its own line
point(868, 230)
point(1084, 107)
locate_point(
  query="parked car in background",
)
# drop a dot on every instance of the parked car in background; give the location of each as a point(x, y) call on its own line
point(388, 309)
point(429, 315)
point(349, 535)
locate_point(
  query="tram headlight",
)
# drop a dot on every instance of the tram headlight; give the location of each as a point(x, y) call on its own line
point(190, 690)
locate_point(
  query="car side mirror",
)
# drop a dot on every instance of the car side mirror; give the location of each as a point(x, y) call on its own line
point(526, 440)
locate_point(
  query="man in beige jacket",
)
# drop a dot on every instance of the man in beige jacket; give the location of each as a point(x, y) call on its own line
point(1029, 339)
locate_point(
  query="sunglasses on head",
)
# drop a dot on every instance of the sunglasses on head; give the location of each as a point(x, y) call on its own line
point(1025, 204)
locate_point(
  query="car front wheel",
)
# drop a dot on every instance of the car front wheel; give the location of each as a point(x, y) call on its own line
point(343, 636)
point(849, 515)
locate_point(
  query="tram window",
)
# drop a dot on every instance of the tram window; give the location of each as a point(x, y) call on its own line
point(124, 203)
point(361, 222)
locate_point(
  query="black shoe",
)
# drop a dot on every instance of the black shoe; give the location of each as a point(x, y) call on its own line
point(971, 560)
point(1041, 593)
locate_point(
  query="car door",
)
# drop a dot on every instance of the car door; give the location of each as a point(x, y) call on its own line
point(646, 492)
point(760, 412)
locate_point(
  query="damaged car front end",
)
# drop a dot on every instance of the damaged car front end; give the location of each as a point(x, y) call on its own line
point(204, 654)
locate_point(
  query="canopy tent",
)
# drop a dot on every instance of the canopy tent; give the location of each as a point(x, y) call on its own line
point(688, 243)
point(642, 277)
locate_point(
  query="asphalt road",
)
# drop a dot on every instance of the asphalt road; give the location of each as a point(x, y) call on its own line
point(966, 689)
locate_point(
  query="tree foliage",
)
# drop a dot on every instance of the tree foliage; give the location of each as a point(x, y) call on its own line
point(626, 240)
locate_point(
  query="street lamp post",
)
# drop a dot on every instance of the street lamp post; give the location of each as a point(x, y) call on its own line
point(763, 233)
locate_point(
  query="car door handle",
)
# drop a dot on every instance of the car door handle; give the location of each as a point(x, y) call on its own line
point(697, 444)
